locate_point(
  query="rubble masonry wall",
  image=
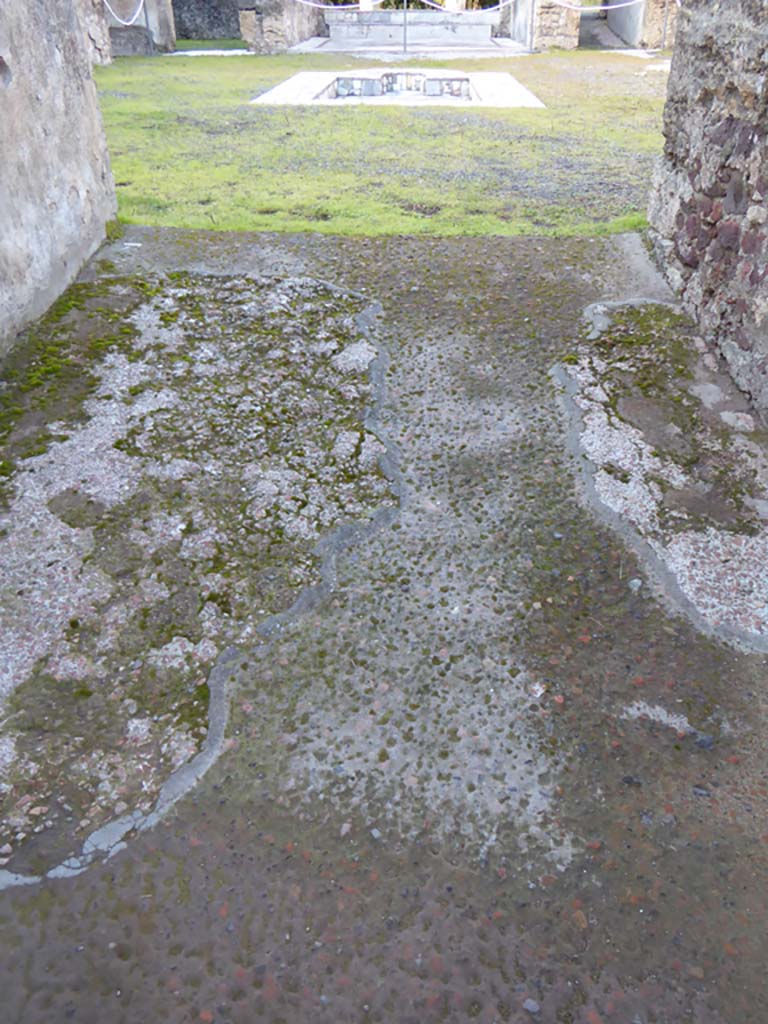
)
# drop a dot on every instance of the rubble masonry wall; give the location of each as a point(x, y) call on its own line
point(709, 204)
point(206, 19)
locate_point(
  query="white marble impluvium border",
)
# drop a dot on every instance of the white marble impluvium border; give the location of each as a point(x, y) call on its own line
point(489, 89)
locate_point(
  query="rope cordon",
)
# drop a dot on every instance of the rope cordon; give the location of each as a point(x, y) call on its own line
point(122, 21)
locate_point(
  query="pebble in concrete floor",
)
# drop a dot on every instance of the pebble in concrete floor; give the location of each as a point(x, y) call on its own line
point(485, 770)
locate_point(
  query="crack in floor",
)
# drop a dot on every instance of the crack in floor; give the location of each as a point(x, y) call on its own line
point(480, 770)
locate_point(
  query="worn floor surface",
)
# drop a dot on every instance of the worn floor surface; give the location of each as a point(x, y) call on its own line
point(479, 763)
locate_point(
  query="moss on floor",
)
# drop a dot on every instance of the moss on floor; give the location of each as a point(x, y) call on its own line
point(198, 435)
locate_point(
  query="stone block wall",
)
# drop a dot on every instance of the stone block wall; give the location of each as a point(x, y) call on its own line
point(56, 189)
point(709, 204)
point(555, 26)
point(274, 25)
point(206, 19)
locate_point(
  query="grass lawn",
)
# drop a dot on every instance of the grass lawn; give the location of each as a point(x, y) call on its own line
point(188, 150)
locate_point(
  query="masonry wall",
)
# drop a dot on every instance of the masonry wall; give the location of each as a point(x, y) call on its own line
point(275, 25)
point(206, 19)
point(555, 26)
point(660, 24)
point(709, 204)
point(56, 190)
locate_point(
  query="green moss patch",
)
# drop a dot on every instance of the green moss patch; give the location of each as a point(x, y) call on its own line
point(200, 435)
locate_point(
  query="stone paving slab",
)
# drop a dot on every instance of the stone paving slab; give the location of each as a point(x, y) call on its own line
point(481, 767)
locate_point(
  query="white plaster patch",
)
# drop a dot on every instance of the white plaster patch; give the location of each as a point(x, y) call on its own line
point(201, 545)
point(71, 666)
point(43, 585)
point(640, 709)
point(345, 445)
point(355, 358)
point(738, 420)
point(724, 574)
point(7, 756)
point(138, 730)
point(625, 487)
point(710, 394)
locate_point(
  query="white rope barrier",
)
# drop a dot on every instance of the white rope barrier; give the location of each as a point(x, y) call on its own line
point(120, 20)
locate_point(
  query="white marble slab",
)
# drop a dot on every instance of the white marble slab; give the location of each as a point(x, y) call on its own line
point(488, 89)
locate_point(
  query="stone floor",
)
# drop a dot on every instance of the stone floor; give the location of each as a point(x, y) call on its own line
point(480, 760)
point(595, 34)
